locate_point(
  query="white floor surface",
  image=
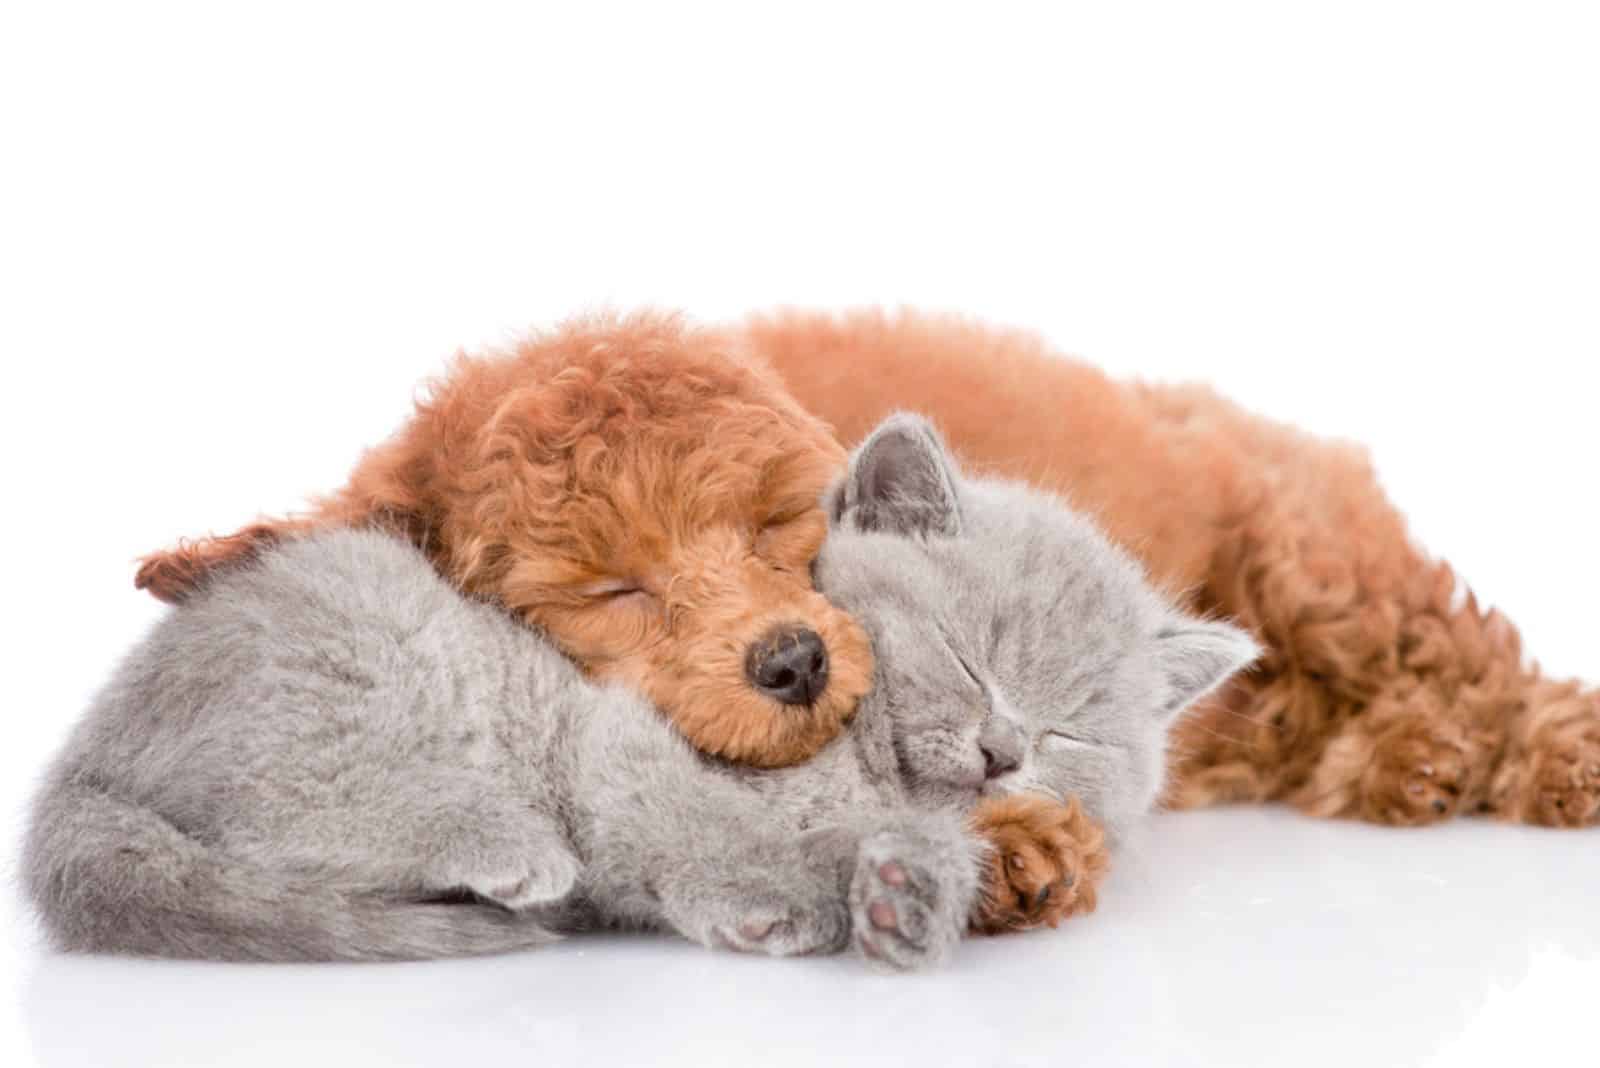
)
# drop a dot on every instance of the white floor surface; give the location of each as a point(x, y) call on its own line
point(1235, 938)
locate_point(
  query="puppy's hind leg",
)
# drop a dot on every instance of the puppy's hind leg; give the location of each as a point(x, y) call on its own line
point(1386, 694)
point(1417, 761)
point(1405, 763)
point(1551, 772)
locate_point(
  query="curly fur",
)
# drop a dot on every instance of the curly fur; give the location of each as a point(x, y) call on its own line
point(331, 754)
point(636, 488)
point(1384, 693)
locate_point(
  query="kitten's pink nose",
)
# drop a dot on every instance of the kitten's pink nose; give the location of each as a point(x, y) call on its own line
point(1001, 744)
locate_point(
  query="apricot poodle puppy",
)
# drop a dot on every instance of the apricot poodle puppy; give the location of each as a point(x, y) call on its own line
point(1386, 693)
point(649, 496)
point(641, 493)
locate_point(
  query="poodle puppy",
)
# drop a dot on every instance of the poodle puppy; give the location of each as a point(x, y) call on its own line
point(642, 493)
point(1385, 693)
point(649, 496)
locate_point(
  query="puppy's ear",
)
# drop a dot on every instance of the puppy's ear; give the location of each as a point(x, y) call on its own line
point(1198, 656)
point(901, 481)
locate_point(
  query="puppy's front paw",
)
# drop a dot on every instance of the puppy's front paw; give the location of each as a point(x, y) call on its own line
point(1046, 860)
point(905, 911)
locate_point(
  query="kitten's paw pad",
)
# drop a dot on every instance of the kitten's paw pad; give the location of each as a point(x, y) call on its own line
point(549, 881)
point(780, 932)
point(1422, 773)
point(903, 917)
point(1046, 861)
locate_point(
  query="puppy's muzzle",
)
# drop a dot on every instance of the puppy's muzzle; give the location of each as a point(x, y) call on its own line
point(789, 664)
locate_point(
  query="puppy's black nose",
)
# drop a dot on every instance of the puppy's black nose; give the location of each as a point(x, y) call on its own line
point(790, 665)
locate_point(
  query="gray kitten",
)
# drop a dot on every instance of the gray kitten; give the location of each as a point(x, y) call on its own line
point(331, 754)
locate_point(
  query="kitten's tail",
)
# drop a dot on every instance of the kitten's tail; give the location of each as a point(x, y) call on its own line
point(108, 876)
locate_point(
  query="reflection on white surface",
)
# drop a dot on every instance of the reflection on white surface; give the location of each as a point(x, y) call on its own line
point(1238, 937)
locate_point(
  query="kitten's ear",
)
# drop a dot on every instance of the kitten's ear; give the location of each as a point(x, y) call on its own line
point(1197, 657)
point(901, 481)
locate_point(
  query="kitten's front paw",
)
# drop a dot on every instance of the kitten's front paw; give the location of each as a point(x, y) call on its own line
point(783, 931)
point(549, 878)
point(907, 913)
point(1046, 860)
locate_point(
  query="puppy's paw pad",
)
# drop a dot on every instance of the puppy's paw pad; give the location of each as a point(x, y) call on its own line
point(1566, 780)
point(1419, 774)
point(1046, 860)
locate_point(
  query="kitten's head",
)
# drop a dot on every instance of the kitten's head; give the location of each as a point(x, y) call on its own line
point(1017, 649)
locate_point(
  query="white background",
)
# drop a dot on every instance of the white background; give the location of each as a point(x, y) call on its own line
point(232, 239)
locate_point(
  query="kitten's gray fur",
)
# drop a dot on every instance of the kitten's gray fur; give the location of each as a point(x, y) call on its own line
point(333, 755)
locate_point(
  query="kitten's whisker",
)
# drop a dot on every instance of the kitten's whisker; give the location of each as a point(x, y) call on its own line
point(1253, 721)
point(1222, 737)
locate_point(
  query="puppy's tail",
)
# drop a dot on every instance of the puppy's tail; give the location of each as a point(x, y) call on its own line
point(108, 876)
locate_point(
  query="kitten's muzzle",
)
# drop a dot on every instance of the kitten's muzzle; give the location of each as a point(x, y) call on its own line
point(789, 664)
point(1001, 744)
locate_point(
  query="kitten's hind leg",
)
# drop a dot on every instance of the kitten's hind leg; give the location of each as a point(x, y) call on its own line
point(440, 832)
point(521, 862)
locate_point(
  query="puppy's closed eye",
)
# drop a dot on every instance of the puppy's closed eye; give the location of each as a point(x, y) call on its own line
point(776, 526)
point(791, 541)
point(614, 593)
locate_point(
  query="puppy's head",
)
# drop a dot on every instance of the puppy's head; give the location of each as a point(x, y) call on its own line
point(650, 499)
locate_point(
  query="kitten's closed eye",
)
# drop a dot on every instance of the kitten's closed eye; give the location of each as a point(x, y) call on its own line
point(1062, 741)
point(972, 676)
point(978, 695)
point(978, 689)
